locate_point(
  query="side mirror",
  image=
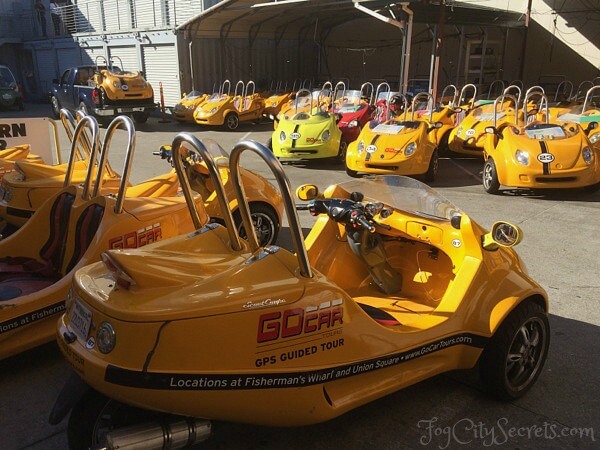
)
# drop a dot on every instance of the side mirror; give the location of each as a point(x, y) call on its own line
point(437, 125)
point(490, 130)
point(458, 110)
point(307, 192)
point(503, 234)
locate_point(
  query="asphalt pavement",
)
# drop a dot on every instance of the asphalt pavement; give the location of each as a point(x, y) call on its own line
point(561, 249)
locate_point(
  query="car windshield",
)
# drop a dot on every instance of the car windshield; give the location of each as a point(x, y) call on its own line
point(350, 102)
point(6, 78)
point(404, 194)
point(385, 95)
point(396, 126)
point(541, 131)
point(194, 94)
point(219, 155)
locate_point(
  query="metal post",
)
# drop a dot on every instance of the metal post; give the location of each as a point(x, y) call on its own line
point(162, 105)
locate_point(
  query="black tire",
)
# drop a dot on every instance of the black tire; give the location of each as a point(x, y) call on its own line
point(94, 415)
point(341, 156)
point(55, 106)
point(514, 357)
point(140, 117)
point(270, 143)
point(232, 121)
point(432, 170)
point(351, 173)
point(592, 188)
point(490, 177)
point(443, 147)
point(266, 223)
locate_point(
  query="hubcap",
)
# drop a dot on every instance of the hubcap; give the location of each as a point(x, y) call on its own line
point(264, 227)
point(232, 121)
point(526, 353)
point(487, 175)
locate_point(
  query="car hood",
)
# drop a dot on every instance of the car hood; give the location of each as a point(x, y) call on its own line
point(566, 152)
point(388, 146)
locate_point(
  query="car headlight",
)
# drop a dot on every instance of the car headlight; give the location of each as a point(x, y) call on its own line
point(116, 84)
point(325, 136)
point(522, 157)
point(410, 149)
point(214, 110)
point(191, 107)
point(353, 123)
point(282, 136)
point(595, 137)
point(587, 155)
point(106, 338)
point(360, 147)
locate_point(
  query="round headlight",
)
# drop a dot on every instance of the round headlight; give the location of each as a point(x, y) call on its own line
point(587, 155)
point(214, 110)
point(325, 136)
point(353, 123)
point(522, 157)
point(595, 137)
point(410, 149)
point(282, 136)
point(361, 147)
point(106, 338)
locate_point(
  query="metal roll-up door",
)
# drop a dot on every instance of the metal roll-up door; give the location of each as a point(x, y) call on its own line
point(47, 70)
point(128, 55)
point(161, 65)
point(89, 55)
point(68, 57)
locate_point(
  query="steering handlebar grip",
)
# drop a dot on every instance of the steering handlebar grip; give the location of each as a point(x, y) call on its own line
point(366, 224)
point(302, 207)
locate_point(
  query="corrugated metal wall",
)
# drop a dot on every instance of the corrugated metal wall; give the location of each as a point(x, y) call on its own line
point(161, 66)
point(128, 55)
point(215, 61)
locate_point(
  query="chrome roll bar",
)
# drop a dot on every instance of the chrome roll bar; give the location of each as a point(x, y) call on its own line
point(558, 90)
point(589, 97)
point(462, 97)
point(200, 148)
point(91, 123)
point(543, 102)
point(514, 87)
point(430, 105)
point(580, 89)
point(492, 84)
point(371, 91)
point(128, 125)
point(336, 90)
point(453, 102)
point(222, 89)
point(303, 93)
point(286, 194)
point(380, 86)
point(235, 91)
point(501, 100)
point(69, 123)
point(404, 99)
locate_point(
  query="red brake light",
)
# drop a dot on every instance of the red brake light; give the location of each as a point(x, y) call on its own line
point(121, 277)
point(96, 96)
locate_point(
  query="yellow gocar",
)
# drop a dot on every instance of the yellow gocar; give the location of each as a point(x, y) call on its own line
point(393, 285)
point(244, 106)
point(184, 109)
point(540, 154)
point(398, 146)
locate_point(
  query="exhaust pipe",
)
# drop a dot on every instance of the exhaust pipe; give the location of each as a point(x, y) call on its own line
point(169, 435)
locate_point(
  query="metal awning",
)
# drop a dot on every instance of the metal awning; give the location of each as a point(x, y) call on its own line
point(295, 19)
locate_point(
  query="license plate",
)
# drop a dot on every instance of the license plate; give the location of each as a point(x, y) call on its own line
point(81, 319)
point(138, 109)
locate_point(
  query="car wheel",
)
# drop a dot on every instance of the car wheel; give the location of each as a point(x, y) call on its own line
point(514, 357)
point(140, 117)
point(432, 170)
point(265, 220)
point(55, 107)
point(592, 188)
point(352, 173)
point(95, 415)
point(443, 147)
point(341, 156)
point(232, 121)
point(270, 144)
point(490, 177)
